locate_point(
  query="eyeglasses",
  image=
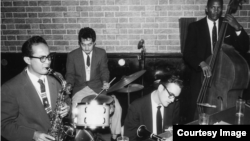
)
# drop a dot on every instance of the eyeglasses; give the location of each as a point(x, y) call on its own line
point(43, 58)
point(171, 95)
point(87, 45)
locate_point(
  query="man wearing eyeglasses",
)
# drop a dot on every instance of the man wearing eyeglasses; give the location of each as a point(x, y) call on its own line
point(29, 98)
point(157, 111)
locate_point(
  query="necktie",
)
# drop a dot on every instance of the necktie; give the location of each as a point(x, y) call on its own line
point(159, 120)
point(88, 60)
point(214, 35)
point(44, 98)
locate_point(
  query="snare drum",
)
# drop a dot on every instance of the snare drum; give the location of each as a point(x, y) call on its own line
point(93, 111)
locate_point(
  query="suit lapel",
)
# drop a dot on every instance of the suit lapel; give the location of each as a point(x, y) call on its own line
point(81, 62)
point(148, 113)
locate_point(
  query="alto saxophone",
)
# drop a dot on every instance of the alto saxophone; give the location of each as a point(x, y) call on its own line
point(58, 130)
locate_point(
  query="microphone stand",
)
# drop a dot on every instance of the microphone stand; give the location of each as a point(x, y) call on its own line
point(142, 60)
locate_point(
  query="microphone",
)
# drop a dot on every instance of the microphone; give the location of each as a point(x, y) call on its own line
point(142, 132)
point(140, 44)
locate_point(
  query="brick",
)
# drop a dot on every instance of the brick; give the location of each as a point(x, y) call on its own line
point(110, 8)
point(47, 32)
point(71, 14)
point(98, 26)
point(190, 1)
point(7, 3)
point(110, 2)
point(148, 31)
point(12, 9)
point(150, 2)
point(46, 15)
point(20, 15)
point(35, 26)
point(150, 14)
point(36, 32)
point(127, 14)
point(175, 13)
point(201, 2)
point(176, 1)
point(70, 3)
point(123, 8)
point(56, 3)
point(84, 14)
point(33, 20)
point(33, 9)
point(6, 32)
point(72, 20)
point(11, 26)
point(173, 25)
point(96, 14)
point(70, 37)
point(135, 31)
point(167, 8)
point(20, 3)
point(71, 32)
point(135, 25)
point(123, 20)
point(191, 7)
point(162, 37)
point(3, 26)
point(122, 37)
point(137, 20)
point(70, 26)
point(32, 15)
point(33, 3)
point(2, 37)
point(47, 20)
point(59, 9)
point(150, 19)
point(110, 31)
point(109, 20)
point(163, 25)
point(11, 37)
point(163, 2)
point(109, 14)
point(58, 31)
point(97, 2)
point(53, 37)
point(46, 9)
point(51, 26)
point(13, 43)
point(71, 9)
point(59, 20)
point(23, 37)
point(149, 25)
point(61, 43)
point(8, 15)
point(136, 8)
point(23, 26)
point(148, 37)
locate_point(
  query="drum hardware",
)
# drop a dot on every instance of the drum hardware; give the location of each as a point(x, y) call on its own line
point(125, 81)
point(130, 88)
point(104, 89)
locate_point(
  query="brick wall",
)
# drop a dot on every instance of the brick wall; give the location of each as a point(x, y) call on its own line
point(119, 24)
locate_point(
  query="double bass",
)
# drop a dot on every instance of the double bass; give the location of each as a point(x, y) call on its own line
point(230, 73)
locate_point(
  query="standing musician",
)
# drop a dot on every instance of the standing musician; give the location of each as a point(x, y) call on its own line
point(201, 38)
point(88, 74)
point(25, 106)
point(157, 111)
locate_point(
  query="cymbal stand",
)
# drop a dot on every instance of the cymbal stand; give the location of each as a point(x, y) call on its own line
point(128, 94)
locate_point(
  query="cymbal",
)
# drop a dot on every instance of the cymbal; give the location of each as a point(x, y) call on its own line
point(125, 81)
point(101, 98)
point(131, 88)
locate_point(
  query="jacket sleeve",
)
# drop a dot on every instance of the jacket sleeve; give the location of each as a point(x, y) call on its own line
point(9, 113)
point(104, 68)
point(70, 70)
point(131, 123)
point(190, 55)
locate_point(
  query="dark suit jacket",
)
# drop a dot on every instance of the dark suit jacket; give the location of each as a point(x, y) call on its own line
point(22, 110)
point(140, 113)
point(76, 75)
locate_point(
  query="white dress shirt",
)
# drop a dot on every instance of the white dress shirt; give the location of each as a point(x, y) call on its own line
point(154, 111)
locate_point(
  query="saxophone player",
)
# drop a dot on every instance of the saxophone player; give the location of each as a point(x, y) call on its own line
point(29, 98)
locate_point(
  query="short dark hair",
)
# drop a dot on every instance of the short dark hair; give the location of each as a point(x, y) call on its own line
point(171, 79)
point(27, 45)
point(86, 33)
point(210, 1)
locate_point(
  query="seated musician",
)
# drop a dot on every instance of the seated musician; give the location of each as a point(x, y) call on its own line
point(157, 111)
point(87, 73)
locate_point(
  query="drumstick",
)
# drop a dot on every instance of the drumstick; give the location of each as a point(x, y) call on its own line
point(104, 89)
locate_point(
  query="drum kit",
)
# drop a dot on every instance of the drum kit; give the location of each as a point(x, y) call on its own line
point(94, 110)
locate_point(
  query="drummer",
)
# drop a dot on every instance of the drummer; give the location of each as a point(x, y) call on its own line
point(157, 111)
